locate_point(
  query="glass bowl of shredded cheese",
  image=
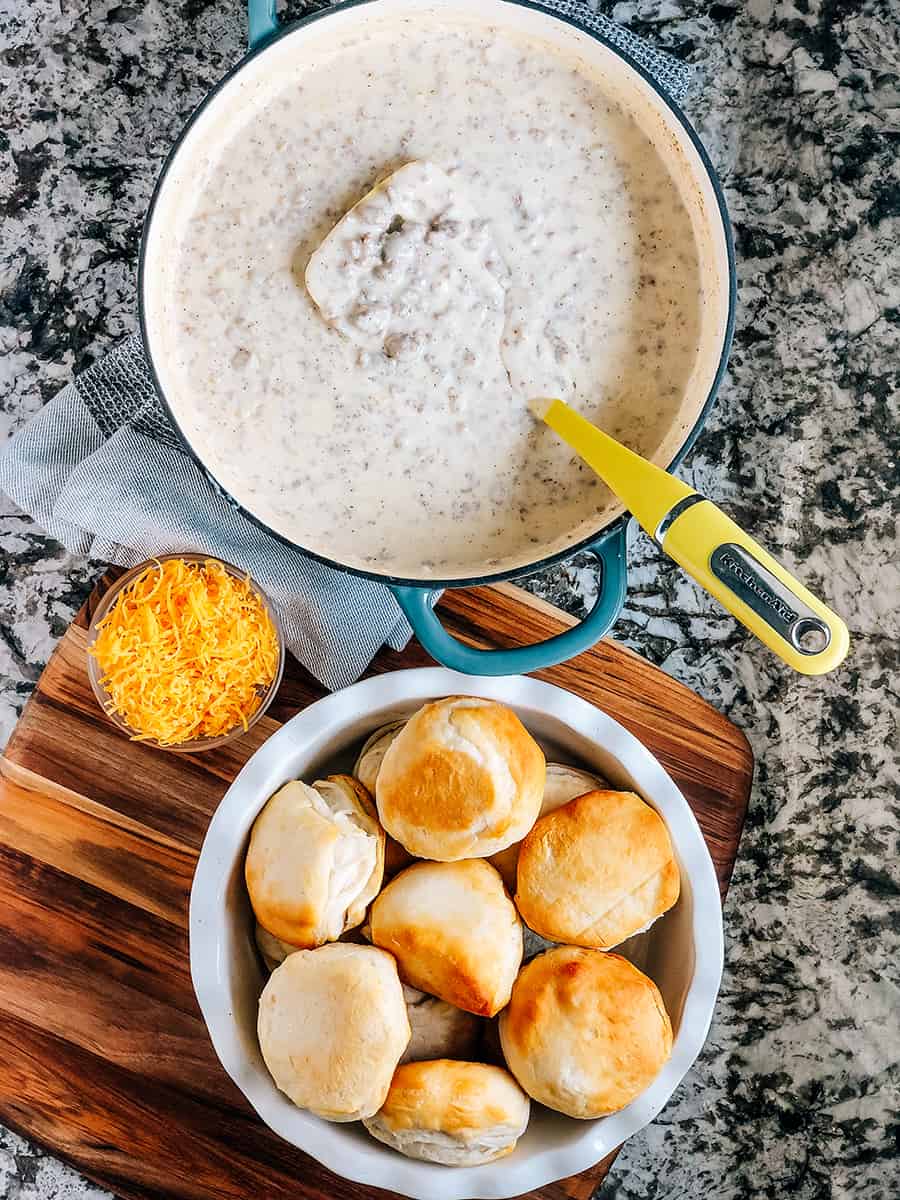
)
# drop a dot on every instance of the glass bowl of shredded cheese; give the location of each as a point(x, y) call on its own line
point(185, 652)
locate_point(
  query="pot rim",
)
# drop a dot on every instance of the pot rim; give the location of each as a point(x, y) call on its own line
point(618, 524)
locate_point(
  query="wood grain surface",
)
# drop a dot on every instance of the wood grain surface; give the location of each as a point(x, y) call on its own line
point(104, 1057)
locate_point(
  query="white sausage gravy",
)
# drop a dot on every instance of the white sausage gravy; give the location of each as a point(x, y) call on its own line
point(354, 365)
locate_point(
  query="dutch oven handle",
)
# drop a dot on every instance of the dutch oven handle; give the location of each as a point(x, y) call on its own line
point(446, 649)
point(262, 21)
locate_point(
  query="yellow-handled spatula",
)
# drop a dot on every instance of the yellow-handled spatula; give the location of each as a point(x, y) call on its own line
point(710, 547)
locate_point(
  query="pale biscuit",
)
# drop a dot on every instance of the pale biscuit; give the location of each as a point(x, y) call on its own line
point(439, 1029)
point(332, 1028)
point(315, 860)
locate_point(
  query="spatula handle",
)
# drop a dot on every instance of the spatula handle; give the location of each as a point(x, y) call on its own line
point(755, 588)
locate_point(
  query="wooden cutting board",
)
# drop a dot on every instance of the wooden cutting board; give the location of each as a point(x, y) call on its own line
point(104, 1058)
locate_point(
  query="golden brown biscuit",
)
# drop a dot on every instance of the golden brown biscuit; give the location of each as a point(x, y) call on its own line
point(562, 784)
point(459, 1114)
point(585, 1032)
point(332, 1027)
point(315, 860)
point(454, 932)
point(596, 871)
point(462, 779)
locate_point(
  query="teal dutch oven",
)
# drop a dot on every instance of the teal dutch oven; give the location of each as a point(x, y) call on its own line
point(700, 190)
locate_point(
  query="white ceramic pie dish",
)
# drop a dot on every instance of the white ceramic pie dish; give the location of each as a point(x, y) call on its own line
point(682, 952)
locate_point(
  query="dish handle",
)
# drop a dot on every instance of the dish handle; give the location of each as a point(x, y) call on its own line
point(450, 652)
point(262, 21)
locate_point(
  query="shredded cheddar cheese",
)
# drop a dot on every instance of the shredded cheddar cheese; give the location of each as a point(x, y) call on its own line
point(185, 652)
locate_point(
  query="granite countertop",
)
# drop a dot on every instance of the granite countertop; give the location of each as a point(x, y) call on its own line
point(797, 1092)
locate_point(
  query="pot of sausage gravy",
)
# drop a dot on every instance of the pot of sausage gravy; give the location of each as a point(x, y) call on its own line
point(393, 224)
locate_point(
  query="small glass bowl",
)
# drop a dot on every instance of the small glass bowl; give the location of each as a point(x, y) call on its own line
point(103, 697)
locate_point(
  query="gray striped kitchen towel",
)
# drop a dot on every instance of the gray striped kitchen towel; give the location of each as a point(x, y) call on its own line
point(100, 468)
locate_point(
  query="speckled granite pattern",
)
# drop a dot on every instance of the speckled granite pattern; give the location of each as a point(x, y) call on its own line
point(798, 1090)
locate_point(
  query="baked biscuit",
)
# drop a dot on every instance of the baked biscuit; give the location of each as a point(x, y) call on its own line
point(561, 785)
point(462, 779)
point(596, 871)
point(439, 1029)
point(272, 950)
point(315, 860)
point(371, 756)
point(585, 1032)
point(332, 1028)
point(458, 1114)
point(454, 932)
